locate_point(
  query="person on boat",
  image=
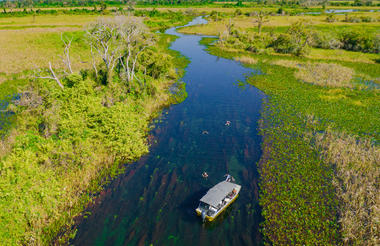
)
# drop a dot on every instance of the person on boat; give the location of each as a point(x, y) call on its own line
point(205, 175)
point(229, 178)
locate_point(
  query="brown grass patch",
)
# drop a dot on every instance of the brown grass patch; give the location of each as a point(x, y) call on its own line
point(325, 74)
point(22, 50)
point(287, 63)
point(246, 59)
point(356, 162)
point(357, 180)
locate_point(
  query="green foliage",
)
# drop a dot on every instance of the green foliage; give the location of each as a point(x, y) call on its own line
point(73, 79)
point(360, 41)
point(331, 18)
point(155, 64)
point(295, 40)
point(325, 40)
point(283, 44)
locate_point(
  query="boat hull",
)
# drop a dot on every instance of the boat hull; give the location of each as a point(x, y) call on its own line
point(211, 218)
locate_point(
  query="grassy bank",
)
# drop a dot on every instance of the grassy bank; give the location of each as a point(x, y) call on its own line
point(68, 142)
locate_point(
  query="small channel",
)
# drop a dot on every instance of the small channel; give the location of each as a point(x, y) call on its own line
point(153, 202)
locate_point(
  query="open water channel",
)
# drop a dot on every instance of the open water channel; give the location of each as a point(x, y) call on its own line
point(154, 201)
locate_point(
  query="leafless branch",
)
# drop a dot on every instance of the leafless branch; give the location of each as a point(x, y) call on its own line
point(52, 76)
point(66, 58)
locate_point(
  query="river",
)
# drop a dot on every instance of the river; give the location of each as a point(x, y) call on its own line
point(153, 202)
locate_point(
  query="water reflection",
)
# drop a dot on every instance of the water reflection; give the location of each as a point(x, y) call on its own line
point(154, 201)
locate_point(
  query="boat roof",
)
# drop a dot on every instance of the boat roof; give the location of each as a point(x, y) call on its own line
point(218, 192)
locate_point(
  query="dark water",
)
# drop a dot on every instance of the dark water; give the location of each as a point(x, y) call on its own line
point(153, 202)
point(5, 115)
point(341, 11)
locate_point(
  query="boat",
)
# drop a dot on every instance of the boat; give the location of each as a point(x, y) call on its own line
point(217, 199)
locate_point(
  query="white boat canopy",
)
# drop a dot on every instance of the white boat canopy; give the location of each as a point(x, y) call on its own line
point(217, 193)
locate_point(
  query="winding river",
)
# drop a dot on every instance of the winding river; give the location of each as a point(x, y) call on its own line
point(153, 202)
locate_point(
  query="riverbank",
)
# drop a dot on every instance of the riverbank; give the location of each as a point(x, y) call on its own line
point(66, 144)
point(320, 157)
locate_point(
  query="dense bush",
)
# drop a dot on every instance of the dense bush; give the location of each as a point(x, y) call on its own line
point(331, 18)
point(325, 40)
point(295, 41)
point(259, 43)
point(283, 43)
point(359, 41)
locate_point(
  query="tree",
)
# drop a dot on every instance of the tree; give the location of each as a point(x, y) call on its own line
point(301, 37)
point(136, 38)
point(103, 37)
point(119, 41)
point(261, 18)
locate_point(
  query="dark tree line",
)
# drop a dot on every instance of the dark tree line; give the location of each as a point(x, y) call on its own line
point(76, 3)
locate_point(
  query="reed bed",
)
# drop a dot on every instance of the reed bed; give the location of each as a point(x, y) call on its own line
point(246, 59)
point(357, 178)
point(325, 74)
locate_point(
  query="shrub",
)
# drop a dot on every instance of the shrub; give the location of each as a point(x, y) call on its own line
point(238, 12)
point(283, 44)
point(73, 79)
point(358, 41)
point(331, 18)
point(295, 41)
point(301, 37)
point(258, 43)
point(325, 41)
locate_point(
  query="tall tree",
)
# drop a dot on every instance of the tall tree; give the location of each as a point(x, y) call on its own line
point(260, 18)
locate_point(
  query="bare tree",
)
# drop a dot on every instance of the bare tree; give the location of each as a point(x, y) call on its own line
point(66, 52)
point(136, 38)
point(104, 39)
point(227, 32)
point(52, 76)
point(261, 18)
point(119, 40)
point(229, 26)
